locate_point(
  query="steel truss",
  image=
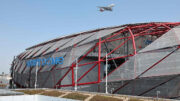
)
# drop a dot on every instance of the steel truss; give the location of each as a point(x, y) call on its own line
point(134, 31)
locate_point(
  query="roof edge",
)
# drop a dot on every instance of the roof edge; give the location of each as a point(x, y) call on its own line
point(90, 31)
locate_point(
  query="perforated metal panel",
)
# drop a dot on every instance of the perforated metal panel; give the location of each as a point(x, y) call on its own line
point(28, 52)
point(93, 37)
point(43, 49)
point(106, 32)
point(91, 76)
point(27, 70)
point(76, 52)
point(22, 67)
point(34, 51)
point(141, 62)
point(58, 44)
point(169, 39)
point(75, 40)
point(99, 34)
point(18, 65)
point(170, 66)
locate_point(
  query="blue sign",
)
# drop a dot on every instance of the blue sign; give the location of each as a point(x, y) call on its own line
point(147, 42)
point(45, 61)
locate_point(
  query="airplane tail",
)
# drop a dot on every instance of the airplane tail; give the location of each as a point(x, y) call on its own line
point(101, 10)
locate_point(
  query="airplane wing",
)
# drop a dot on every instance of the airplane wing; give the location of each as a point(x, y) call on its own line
point(108, 8)
point(102, 7)
point(111, 5)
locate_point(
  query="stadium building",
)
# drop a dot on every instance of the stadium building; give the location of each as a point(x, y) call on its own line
point(143, 59)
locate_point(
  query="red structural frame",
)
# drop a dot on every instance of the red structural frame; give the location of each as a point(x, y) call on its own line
point(134, 31)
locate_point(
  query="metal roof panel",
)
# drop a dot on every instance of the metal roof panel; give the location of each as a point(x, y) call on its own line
point(44, 48)
point(169, 39)
point(58, 44)
point(34, 51)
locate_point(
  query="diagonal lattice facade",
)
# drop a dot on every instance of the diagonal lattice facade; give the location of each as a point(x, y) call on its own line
point(135, 52)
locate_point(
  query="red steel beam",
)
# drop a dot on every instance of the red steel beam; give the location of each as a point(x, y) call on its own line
point(75, 63)
point(145, 31)
point(166, 26)
point(119, 33)
point(62, 77)
point(86, 72)
point(135, 35)
point(123, 30)
point(87, 63)
point(88, 52)
point(133, 40)
point(100, 60)
point(72, 70)
point(115, 48)
point(143, 25)
point(72, 63)
point(104, 60)
point(114, 58)
point(153, 33)
point(109, 54)
point(152, 24)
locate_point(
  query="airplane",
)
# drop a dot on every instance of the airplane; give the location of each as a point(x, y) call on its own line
point(107, 8)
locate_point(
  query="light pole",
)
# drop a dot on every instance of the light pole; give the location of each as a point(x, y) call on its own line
point(35, 84)
point(106, 74)
point(75, 87)
point(158, 92)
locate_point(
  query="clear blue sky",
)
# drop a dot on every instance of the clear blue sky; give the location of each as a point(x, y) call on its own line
point(24, 23)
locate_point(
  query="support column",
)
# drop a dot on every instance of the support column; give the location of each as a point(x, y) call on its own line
point(134, 44)
point(72, 69)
